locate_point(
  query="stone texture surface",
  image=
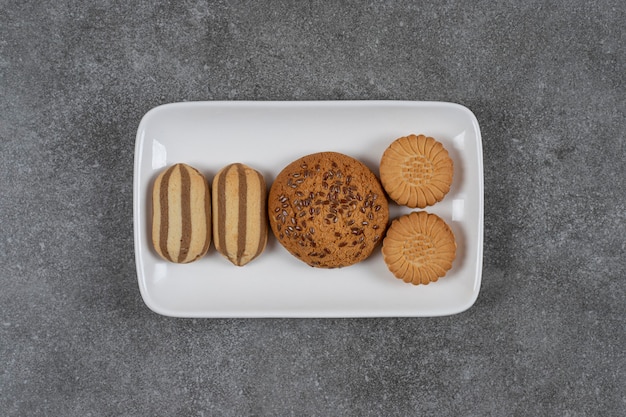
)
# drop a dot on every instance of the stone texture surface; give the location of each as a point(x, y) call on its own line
point(547, 84)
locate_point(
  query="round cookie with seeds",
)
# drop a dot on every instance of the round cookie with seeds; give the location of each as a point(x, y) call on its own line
point(419, 248)
point(328, 210)
point(416, 171)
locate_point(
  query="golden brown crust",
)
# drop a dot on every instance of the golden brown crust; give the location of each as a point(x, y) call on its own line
point(239, 213)
point(416, 171)
point(181, 214)
point(328, 210)
point(419, 248)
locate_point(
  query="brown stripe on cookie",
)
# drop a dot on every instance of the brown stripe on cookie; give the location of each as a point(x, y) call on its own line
point(220, 193)
point(262, 217)
point(243, 206)
point(186, 213)
point(207, 213)
point(163, 201)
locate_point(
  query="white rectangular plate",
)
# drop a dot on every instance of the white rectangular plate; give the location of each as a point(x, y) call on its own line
point(269, 135)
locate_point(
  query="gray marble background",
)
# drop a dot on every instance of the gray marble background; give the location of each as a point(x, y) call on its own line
point(546, 81)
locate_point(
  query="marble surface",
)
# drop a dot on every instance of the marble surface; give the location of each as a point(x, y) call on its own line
point(547, 84)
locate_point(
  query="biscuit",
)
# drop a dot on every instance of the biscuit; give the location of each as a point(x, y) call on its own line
point(328, 210)
point(181, 214)
point(239, 213)
point(416, 171)
point(419, 248)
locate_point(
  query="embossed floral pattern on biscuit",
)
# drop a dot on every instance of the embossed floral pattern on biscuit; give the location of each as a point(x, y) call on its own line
point(419, 248)
point(416, 171)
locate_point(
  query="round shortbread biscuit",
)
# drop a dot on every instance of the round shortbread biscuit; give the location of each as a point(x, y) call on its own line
point(328, 210)
point(419, 248)
point(416, 171)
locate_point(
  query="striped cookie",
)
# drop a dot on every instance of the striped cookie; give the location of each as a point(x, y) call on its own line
point(239, 218)
point(181, 215)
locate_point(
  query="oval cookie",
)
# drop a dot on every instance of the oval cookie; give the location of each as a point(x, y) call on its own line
point(416, 171)
point(181, 215)
point(419, 248)
point(240, 213)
